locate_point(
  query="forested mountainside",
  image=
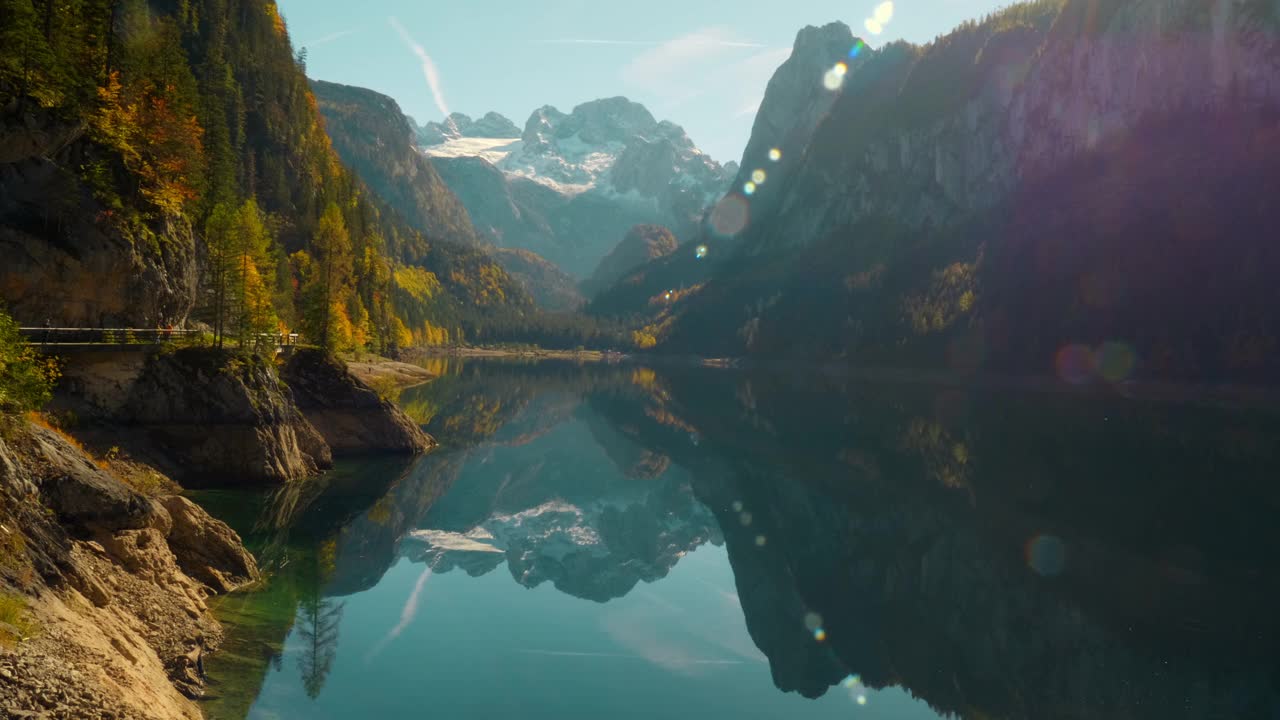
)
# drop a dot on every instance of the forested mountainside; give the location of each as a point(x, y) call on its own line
point(642, 244)
point(551, 287)
point(147, 145)
point(375, 138)
point(1059, 187)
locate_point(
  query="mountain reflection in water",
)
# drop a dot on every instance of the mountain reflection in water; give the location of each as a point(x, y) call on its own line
point(656, 543)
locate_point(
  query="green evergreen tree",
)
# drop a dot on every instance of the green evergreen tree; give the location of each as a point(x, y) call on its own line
point(332, 275)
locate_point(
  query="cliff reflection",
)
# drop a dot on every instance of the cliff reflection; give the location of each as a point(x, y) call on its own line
point(997, 555)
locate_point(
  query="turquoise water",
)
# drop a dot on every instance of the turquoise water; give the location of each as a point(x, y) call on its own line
point(623, 542)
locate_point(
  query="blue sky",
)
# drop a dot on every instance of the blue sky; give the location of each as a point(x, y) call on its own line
point(703, 64)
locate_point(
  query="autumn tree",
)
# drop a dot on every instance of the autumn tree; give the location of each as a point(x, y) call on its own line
point(253, 243)
point(239, 273)
point(326, 314)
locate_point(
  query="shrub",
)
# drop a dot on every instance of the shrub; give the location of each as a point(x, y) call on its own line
point(15, 624)
point(26, 376)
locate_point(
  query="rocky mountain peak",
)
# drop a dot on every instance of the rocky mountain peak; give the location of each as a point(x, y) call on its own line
point(574, 183)
point(796, 100)
point(495, 125)
point(459, 125)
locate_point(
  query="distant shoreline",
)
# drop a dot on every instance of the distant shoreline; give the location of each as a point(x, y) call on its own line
point(539, 354)
point(1225, 396)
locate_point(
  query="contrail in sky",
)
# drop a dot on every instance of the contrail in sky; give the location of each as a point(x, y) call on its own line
point(653, 43)
point(568, 653)
point(407, 614)
point(329, 38)
point(428, 66)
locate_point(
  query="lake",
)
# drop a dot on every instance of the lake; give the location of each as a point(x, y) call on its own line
point(630, 542)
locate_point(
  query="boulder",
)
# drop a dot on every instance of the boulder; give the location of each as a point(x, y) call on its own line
point(350, 416)
point(206, 548)
point(82, 495)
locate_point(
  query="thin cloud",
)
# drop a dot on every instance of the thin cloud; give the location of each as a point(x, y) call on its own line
point(429, 69)
point(676, 70)
point(331, 37)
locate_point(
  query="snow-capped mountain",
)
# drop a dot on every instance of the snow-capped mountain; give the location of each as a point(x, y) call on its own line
point(457, 125)
point(574, 183)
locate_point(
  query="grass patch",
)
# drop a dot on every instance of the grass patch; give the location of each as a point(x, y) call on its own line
point(51, 424)
point(16, 624)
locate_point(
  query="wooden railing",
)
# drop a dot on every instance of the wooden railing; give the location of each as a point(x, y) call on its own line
point(135, 336)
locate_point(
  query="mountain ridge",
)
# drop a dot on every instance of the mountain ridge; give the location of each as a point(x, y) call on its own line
point(574, 183)
point(924, 225)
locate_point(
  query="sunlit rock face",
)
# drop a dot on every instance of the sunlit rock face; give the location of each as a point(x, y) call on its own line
point(571, 184)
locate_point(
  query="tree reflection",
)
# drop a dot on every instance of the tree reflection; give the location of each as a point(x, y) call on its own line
point(319, 620)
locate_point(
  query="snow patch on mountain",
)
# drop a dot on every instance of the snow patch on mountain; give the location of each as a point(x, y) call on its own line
point(611, 145)
point(494, 150)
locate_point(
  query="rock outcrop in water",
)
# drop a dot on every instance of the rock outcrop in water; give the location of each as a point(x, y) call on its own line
point(350, 416)
point(225, 418)
point(111, 587)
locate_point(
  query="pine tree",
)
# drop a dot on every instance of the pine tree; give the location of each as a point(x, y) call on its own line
point(331, 277)
point(26, 60)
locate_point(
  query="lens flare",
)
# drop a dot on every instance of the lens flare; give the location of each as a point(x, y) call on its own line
point(731, 215)
point(700, 252)
point(858, 47)
point(737, 506)
point(862, 699)
point(873, 26)
point(761, 540)
point(745, 518)
point(841, 69)
point(820, 635)
point(1115, 361)
point(833, 80)
point(1075, 364)
point(775, 155)
point(1047, 555)
point(759, 176)
point(812, 621)
point(853, 681)
point(749, 188)
point(884, 12)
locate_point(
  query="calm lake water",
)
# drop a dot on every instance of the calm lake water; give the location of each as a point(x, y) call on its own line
point(625, 542)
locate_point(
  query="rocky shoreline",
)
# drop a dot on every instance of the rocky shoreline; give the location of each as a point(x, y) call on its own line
point(106, 572)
